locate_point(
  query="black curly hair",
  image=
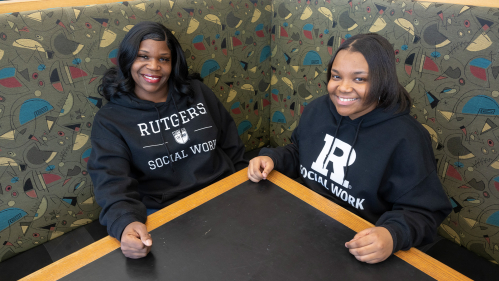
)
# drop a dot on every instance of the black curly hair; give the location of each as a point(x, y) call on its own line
point(118, 80)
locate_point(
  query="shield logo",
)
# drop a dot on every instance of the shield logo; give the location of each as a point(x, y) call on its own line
point(181, 136)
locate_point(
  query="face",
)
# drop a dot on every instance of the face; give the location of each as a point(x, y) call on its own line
point(151, 70)
point(349, 84)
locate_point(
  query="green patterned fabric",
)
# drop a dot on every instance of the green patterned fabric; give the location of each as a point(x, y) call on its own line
point(265, 60)
point(447, 58)
point(51, 62)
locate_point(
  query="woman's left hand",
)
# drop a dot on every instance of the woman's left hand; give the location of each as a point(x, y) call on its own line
point(371, 245)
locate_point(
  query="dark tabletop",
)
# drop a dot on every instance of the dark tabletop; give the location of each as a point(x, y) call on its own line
point(251, 232)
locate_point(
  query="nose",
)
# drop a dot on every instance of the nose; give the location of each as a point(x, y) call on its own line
point(345, 86)
point(153, 65)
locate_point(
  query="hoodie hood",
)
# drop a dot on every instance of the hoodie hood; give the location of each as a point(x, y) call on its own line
point(131, 101)
point(378, 115)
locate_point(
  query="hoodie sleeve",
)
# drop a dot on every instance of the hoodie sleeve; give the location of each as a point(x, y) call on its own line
point(229, 140)
point(115, 191)
point(416, 215)
point(286, 158)
point(418, 209)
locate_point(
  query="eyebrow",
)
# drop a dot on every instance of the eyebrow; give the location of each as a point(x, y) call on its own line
point(144, 51)
point(356, 72)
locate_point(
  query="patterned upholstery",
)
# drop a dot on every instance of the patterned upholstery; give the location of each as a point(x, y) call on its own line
point(266, 61)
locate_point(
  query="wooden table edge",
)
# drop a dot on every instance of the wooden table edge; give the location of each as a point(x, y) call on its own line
point(98, 249)
point(413, 256)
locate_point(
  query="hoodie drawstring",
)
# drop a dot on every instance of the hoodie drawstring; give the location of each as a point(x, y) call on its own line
point(336, 134)
point(164, 142)
point(162, 137)
point(353, 144)
point(354, 141)
point(176, 108)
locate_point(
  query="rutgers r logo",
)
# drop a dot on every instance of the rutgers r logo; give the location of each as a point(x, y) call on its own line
point(337, 155)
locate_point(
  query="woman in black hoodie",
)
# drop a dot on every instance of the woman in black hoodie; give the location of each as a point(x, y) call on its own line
point(162, 136)
point(360, 148)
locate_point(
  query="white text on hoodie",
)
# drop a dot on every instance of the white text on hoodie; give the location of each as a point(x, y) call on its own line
point(337, 154)
point(174, 121)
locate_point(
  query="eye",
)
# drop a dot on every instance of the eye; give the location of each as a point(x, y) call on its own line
point(360, 79)
point(335, 77)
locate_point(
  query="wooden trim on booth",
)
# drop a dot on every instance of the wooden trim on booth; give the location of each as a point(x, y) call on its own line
point(31, 5)
point(416, 258)
point(480, 3)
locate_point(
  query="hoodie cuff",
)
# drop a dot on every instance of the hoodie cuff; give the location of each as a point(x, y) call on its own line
point(398, 240)
point(241, 165)
point(117, 227)
point(269, 153)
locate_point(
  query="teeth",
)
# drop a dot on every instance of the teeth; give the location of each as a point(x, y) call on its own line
point(152, 78)
point(342, 99)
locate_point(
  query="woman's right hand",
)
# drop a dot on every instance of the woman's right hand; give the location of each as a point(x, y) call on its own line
point(259, 168)
point(136, 242)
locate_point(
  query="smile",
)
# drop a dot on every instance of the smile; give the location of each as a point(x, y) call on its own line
point(343, 99)
point(151, 78)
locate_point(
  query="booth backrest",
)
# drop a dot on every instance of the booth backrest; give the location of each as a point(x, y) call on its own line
point(265, 60)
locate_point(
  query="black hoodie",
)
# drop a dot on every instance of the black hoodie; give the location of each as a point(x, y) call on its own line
point(391, 179)
point(149, 155)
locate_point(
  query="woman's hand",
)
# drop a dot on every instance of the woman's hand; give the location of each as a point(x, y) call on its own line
point(136, 242)
point(259, 168)
point(371, 245)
